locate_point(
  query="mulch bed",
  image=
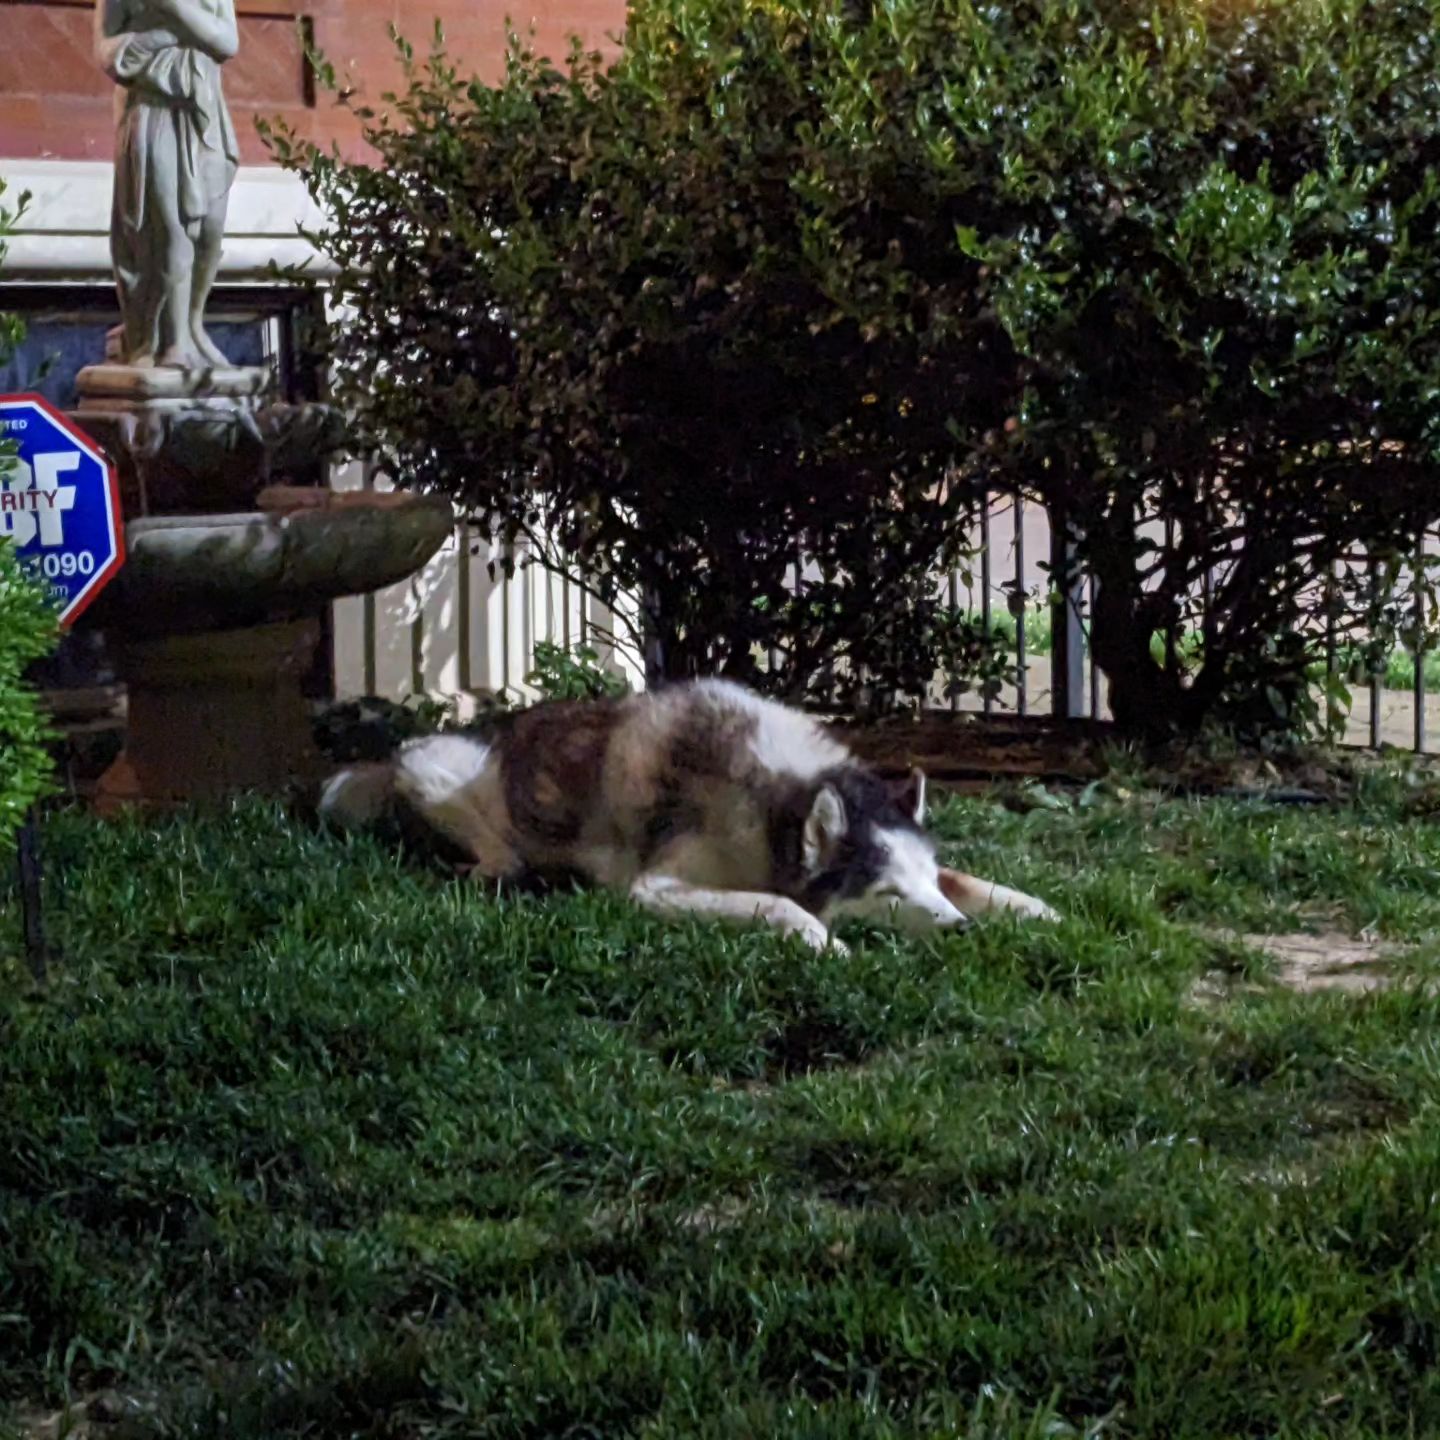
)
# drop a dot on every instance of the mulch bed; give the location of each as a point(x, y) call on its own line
point(967, 751)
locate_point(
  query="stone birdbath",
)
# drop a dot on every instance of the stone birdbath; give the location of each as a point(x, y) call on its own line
point(213, 620)
point(212, 626)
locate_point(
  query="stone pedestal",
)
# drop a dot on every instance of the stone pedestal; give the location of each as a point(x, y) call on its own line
point(213, 714)
point(115, 387)
point(181, 449)
point(181, 440)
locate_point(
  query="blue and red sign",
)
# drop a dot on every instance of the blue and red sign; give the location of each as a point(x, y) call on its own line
point(59, 503)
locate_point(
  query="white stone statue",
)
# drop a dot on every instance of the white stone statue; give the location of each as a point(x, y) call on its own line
point(175, 160)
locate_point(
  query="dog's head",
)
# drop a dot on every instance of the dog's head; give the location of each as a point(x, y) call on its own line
point(866, 855)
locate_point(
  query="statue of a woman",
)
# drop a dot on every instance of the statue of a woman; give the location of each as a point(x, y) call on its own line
point(175, 161)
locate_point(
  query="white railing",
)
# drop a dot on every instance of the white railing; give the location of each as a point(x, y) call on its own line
point(456, 633)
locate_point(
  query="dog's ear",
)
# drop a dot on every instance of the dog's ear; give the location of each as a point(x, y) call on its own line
point(824, 828)
point(911, 796)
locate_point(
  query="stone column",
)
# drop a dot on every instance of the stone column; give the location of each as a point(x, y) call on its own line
point(212, 714)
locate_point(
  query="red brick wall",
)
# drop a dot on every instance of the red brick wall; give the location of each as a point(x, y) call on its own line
point(55, 104)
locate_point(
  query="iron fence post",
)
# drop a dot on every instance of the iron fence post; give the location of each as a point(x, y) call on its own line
point(1067, 585)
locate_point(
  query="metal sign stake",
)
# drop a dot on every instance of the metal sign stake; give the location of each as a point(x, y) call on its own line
point(31, 913)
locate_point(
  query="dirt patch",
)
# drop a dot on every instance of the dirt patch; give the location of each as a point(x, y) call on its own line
point(106, 1415)
point(1308, 964)
point(1328, 961)
point(723, 1214)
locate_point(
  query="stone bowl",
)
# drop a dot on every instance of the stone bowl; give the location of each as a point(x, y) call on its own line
point(189, 573)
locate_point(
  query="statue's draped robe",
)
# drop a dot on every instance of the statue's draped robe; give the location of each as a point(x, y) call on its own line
point(175, 159)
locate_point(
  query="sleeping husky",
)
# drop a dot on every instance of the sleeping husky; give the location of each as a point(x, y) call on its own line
point(697, 799)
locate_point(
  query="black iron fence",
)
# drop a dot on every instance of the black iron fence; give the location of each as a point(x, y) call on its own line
point(1395, 696)
point(459, 629)
point(1009, 587)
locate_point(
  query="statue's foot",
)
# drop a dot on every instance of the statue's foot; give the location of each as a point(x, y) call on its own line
point(181, 357)
point(212, 353)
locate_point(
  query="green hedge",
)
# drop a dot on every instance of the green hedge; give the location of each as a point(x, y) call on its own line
point(811, 271)
point(27, 632)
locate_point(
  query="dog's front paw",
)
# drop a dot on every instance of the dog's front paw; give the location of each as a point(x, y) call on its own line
point(789, 918)
point(1039, 910)
point(814, 933)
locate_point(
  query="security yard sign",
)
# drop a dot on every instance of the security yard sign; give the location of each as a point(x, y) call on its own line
point(59, 503)
point(60, 508)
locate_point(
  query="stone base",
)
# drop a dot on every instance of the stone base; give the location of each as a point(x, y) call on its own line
point(113, 386)
point(212, 715)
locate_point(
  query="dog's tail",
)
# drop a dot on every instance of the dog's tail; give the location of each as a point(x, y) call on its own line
point(360, 796)
point(410, 799)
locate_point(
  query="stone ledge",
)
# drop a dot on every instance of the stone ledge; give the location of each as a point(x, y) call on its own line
point(112, 382)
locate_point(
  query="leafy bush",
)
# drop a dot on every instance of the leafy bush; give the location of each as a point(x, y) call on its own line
point(1208, 234)
point(372, 728)
point(10, 327)
point(605, 309)
point(817, 274)
point(27, 632)
point(573, 674)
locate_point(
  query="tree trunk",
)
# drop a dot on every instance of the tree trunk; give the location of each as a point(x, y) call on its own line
point(1146, 700)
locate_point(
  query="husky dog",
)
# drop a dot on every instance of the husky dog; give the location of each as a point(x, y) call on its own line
point(701, 798)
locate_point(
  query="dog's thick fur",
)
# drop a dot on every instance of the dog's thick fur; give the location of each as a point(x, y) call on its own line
point(700, 798)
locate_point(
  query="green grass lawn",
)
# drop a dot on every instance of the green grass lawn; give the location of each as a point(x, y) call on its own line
point(304, 1142)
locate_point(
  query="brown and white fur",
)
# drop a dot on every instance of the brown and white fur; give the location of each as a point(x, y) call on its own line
point(698, 799)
